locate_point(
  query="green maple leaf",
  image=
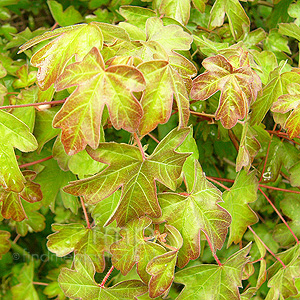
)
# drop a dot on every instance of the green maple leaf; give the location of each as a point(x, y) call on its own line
point(286, 103)
point(75, 237)
point(163, 84)
point(25, 289)
point(80, 116)
point(238, 20)
point(26, 114)
point(52, 58)
point(281, 233)
point(25, 78)
point(275, 87)
point(14, 134)
point(52, 179)
point(134, 249)
point(176, 9)
point(11, 201)
point(223, 282)
point(34, 221)
point(295, 174)
point(248, 148)
point(162, 267)
point(243, 191)
point(64, 18)
point(237, 82)
point(282, 280)
point(136, 175)
point(198, 210)
point(4, 242)
point(80, 284)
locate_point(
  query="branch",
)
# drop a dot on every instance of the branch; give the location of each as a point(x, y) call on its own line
point(33, 104)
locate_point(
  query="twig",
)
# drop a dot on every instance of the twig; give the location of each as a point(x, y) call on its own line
point(139, 145)
point(35, 162)
point(280, 216)
point(106, 276)
point(269, 250)
point(33, 104)
point(85, 213)
point(212, 250)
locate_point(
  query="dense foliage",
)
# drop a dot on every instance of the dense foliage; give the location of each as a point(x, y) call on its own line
point(149, 149)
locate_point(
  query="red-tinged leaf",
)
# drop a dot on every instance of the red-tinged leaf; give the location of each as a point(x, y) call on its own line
point(11, 201)
point(276, 86)
point(133, 248)
point(249, 146)
point(163, 84)
point(75, 237)
point(243, 191)
point(162, 267)
point(4, 242)
point(237, 82)
point(238, 20)
point(80, 116)
point(197, 211)
point(282, 280)
point(286, 103)
point(13, 134)
point(176, 9)
point(170, 37)
point(80, 283)
point(223, 282)
point(51, 59)
point(136, 176)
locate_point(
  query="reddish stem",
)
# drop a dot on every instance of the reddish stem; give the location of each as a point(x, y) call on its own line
point(212, 250)
point(255, 261)
point(140, 145)
point(220, 184)
point(280, 216)
point(106, 276)
point(35, 162)
point(16, 238)
point(278, 189)
point(40, 283)
point(261, 185)
point(268, 249)
point(153, 138)
point(85, 213)
point(54, 26)
point(33, 104)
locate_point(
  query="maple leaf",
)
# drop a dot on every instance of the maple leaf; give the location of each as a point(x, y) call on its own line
point(162, 267)
point(80, 116)
point(275, 87)
point(199, 210)
point(13, 134)
point(75, 237)
point(243, 191)
point(25, 289)
point(133, 249)
point(178, 10)
point(238, 85)
point(69, 41)
point(163, 84)
point(80, 284)
point(223, 282)
point(239, 22)
point(282, 280)
point(286, 103)
point(248, 148)
point(11, 201)
point(136, 176)
point(4, 242)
